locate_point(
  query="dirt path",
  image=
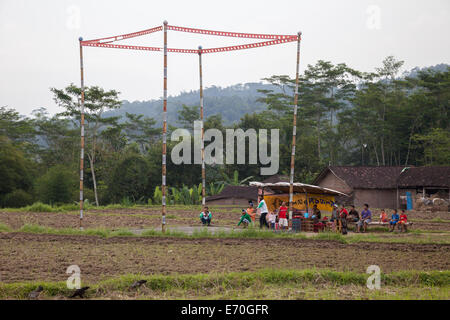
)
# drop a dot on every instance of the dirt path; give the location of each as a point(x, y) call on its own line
point(46, 257)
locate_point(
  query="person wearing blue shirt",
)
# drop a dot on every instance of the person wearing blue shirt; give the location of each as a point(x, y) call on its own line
point(394, 220)
point(366, 218)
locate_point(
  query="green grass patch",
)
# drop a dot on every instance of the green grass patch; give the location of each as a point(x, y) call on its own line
point(250, 233)
point(4, 228)
point(236, 281)
point(39, 207)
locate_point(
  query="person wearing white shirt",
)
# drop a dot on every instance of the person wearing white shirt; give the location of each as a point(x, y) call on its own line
point(263, 209)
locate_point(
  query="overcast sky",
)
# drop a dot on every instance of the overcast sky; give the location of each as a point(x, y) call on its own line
point(39, 42)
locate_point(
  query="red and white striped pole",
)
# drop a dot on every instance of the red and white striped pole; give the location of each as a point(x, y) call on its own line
point(82, 134)
point(164, 134)
point(202, 129)
point(294, 133)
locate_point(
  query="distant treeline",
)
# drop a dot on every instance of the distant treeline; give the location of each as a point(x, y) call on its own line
point(346, 117)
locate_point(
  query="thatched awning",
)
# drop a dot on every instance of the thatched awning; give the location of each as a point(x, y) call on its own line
point(283, 187)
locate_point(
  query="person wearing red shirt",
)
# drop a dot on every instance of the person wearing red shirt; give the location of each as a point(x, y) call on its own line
point(402, 222)
point(282, 218)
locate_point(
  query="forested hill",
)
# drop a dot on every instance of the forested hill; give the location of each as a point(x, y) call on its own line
point(231, 102)
point(442, 67)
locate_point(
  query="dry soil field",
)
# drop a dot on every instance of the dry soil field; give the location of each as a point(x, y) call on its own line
point(37, 247)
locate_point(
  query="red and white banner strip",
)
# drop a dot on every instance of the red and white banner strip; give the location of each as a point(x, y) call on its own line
point(119, 46)
point(249, 46)
point(275, 39)
point(230, 34)
point(124, 36)
point(195, 51)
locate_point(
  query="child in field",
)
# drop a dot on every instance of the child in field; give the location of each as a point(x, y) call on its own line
point(394, 220)
point(245, 219)
point(403, 221)
point(251, 211)
point(383, 216)
point(272, 217)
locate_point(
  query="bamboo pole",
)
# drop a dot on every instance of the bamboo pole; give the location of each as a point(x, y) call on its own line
point(82, 135)
point(294, 133)
point(164, 134)
point(202, 129)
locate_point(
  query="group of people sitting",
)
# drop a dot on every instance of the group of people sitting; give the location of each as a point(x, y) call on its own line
point(338, 222)
point(396, 220)
point(340, 219)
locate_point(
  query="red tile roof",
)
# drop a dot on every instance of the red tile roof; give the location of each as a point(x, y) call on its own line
point(425, 177)
point(364, 177)
point(388, 177)
point(239, 192)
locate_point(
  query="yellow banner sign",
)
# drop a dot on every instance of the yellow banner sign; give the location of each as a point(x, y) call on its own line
point(323, 202)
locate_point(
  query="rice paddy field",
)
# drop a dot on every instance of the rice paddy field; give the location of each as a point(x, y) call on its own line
point(120, 245)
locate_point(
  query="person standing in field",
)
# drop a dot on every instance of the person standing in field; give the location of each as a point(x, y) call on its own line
point(262, 206)
point(282, 216)
point(343, 214)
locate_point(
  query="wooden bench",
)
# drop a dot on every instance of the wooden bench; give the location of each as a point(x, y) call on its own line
point(386, 224)
point(378, 223)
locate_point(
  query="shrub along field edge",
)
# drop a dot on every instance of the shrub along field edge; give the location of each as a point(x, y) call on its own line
point(250, 233)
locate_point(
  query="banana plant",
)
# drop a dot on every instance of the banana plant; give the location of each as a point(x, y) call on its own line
point(215, 188)
point(234, 181)
point(176, 195)
point(157, 195)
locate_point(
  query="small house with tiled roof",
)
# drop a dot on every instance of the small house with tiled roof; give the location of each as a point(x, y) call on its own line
point(234, 195)
point(382, 187)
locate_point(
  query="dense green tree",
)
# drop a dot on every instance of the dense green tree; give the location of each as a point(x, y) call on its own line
point(58, 185)
point(131, 178)
point(187, 115)
point(140, 130)
point(97, 102)
point(15, 171)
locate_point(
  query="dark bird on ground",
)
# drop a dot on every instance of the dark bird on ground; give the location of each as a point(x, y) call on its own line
point(137, 284)
point(79, 292)
point(35, 294)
